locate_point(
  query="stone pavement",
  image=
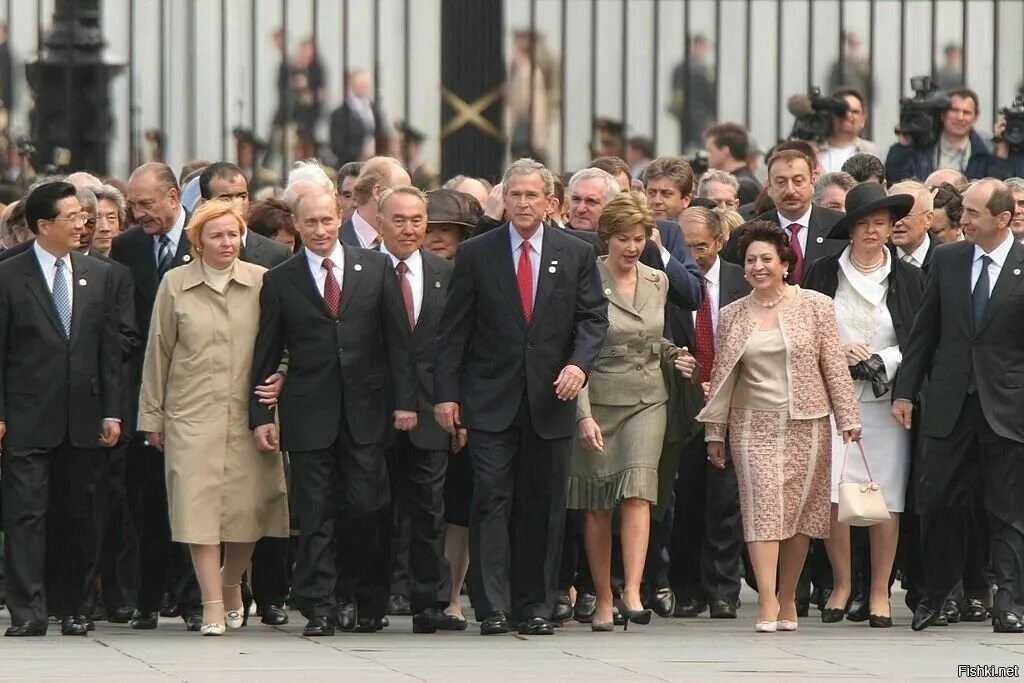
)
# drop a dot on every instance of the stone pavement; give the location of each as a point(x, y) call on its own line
point(667, 650)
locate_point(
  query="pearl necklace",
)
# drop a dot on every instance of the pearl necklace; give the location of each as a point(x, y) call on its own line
point(768, 304)
point(867, 269)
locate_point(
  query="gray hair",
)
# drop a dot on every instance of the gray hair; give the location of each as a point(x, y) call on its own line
point(112, 194)
point(918, 189)
point(43, 180)
point(86, 197)
point(839, 179)
point(311, 170)
point(1015, 184)
point(716, 175)
point(709, 218)
point(527, 166)
point(611, 186)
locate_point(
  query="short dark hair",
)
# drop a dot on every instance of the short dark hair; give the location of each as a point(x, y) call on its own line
point(765, 231)
point(1001, 200)
point(732, 136)
point(270, 216)
point(789, 155)
point(949, 198)
point(676, 169)
point(642, 143)
point(966, 93)
point(613, 166)
point(188, 170)
point(41, 204)
point(851, 92)
point(802, 146)
point(862, 166)
point(219, 169)
point(350, 170)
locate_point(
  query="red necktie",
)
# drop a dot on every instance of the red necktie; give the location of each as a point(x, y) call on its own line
point(705, 352)
point(332, 292)
point(403, 282)
point(524, 276)
point(796, 273)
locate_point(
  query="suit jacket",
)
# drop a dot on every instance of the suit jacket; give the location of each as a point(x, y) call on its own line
point(818, 242)
point(338, 369)
point(489, 359)
point(945, 347)
point(263, 251)
point(348, 235)
point(52, 387)
point(731, 287)
point(348, 132)
point(437, 273)
point(932, 243)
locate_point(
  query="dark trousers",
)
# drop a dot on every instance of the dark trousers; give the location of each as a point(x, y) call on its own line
point(119, 554)
point(147, 500)
point(659, 542)
point(270, 571)
point(953, 470)
point(99, 511)
point(49, 498)
point(417, 490)
point(707, 539)
point(342, 499)
point(517, 519)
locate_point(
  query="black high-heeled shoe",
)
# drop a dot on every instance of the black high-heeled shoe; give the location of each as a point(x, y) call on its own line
point(637, 616)
point(876, 621)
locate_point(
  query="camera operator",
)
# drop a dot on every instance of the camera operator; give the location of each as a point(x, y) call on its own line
point(728, 145)
point(844, 139)
point(959, 146)
point(1009, 138)
point(1016, 186)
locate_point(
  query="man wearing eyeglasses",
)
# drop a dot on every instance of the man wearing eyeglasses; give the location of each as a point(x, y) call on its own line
point(910, 237)
point(721, 187)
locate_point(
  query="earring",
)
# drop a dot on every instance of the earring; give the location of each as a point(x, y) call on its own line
point(785, 274)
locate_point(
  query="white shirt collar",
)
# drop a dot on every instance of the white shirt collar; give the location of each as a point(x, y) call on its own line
point(316, 263)
point(366, 232)
point(174, 234)
point(919, 254)
point(999, 254)
point(47, 261)
point(804, 220)
point(414, 262)
point(715, 272)
point(536, 241)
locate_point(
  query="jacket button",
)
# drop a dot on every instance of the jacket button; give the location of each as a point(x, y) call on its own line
point(639, 367)
point(529, 347)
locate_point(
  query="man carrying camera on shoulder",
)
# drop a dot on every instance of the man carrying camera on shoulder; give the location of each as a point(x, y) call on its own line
point(958, 145)
point(1008, 136)
point(844, 139)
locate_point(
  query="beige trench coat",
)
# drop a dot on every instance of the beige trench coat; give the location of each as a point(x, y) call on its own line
point(195, 390)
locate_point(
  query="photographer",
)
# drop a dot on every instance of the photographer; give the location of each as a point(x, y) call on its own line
point(1008, 136)
point(844, 139)
point(959, 146)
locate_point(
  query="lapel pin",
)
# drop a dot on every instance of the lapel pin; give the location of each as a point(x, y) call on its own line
point(186, 258)
point(820, 240)
point(607, 292)
point(554, 263)
point(357, 267)
point(83, 281)
point(552, 269)
point(437, 285)
point(1016, 271)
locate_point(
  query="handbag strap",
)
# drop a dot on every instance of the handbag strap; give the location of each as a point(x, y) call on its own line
point(846, 455)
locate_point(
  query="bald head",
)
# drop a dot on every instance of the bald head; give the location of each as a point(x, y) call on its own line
point(378, 174)
point(947, 175)
point(473, 188)
point(83, 179)
point(988, 209)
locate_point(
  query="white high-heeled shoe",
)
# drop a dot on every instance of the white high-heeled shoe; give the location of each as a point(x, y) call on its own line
point(766, 626)
point(233, 618)
point(786, 625)
point(213, 629)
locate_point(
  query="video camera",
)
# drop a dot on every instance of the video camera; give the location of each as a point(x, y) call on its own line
point(921, 115)
point(813, 115)
point(699, 163)
point(1013, 134)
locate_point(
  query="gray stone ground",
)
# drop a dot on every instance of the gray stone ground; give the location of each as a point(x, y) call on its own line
point(667, 650)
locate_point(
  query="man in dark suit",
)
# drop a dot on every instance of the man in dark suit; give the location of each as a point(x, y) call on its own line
point(417, 460)
point(524, 320)
point(225, 182)
point(155, 244)
point(378, 174)
point(339, 312)
point(790, 187)
point(59, 318)
point(358, 130)
point(707, 541)
point(966, 341)
point(910, 238)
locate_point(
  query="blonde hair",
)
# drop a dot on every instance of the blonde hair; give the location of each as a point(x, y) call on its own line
point(730, 221)
point(625, 211)
point(211, 211)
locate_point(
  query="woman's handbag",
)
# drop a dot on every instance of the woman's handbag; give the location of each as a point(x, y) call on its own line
point(860, 504)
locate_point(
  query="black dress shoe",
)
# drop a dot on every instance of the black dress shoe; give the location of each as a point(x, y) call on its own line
point(925, 616)
point(536, 626)
point(1006, 622)
point(583, 610)
point(168, 610)
point(144, 622)
point(951, 610)
point(399, 605)
point(427, 620)
point(121, 615)
point(690, 608)
point(89, 624)
point(449, 622)
point(194, 623)
point(973, 611)
point(721, 609)
point(318, 626)
point(70, 626)
point(875, 621)
point(495, 623)
point(563, 608)
point(26, 630)
point(663, 602)
point(347, 616)
point(858, 610)
point(803, 607)
point(274, 616)
point(368, 625)
point(384, 622)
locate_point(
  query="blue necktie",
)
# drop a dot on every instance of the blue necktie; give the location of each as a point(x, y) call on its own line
point(165, 257)
point(61, 297)
point(980, 295)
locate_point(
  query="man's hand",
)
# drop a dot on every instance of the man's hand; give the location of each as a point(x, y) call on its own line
point(447, 415)
point(716, 454)
point(495, 208)
point(590, 435)
point(903, 412)
point(266, 437)
point(460, 439)
point(3, 430)
point(1002, 147)
point(570, 380)
point(156, 440)
point(270, 390)
point(656, 237)
point(405, 420)
point(685, 363)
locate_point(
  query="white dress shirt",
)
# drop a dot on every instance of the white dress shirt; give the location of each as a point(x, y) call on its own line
point(713, 278)
point(364, 231)
point(804, 221)
point(316, 267)
point(415, 274)
point(174, 234)
point(536, 243)
point(998, 256)
point(917, 256)
point(48, 264)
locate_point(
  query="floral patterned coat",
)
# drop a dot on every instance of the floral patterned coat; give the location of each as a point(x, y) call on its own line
point(817, 373)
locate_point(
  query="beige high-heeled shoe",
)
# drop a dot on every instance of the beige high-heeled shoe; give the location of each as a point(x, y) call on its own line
point(212, 629)
point(235, 618)
point(786, 625)
point(766, 626)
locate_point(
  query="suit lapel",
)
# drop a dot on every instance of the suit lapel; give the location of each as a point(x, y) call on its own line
point(550, 263)
point(1009, 277)
point(646, 286)
point(431, 289)
point(816, 235)
point(80, 284)
point(184, 253)
point(305, 282)
point(962, 290)
point(352, 279)
point(503, 262)
point(36, 283)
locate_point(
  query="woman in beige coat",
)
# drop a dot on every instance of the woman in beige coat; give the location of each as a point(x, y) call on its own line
point(194, 405)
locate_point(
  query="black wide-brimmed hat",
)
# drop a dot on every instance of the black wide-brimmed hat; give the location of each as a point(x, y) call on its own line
point(457, 208)
point(866, 198)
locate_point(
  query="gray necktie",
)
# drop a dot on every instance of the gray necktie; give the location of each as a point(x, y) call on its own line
point(61, 298)
point(164, 258)
point(979, 297)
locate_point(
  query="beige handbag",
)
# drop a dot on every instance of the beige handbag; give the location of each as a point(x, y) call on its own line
point(860, 504)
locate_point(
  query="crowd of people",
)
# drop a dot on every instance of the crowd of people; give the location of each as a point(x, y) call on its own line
point(589, 396)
